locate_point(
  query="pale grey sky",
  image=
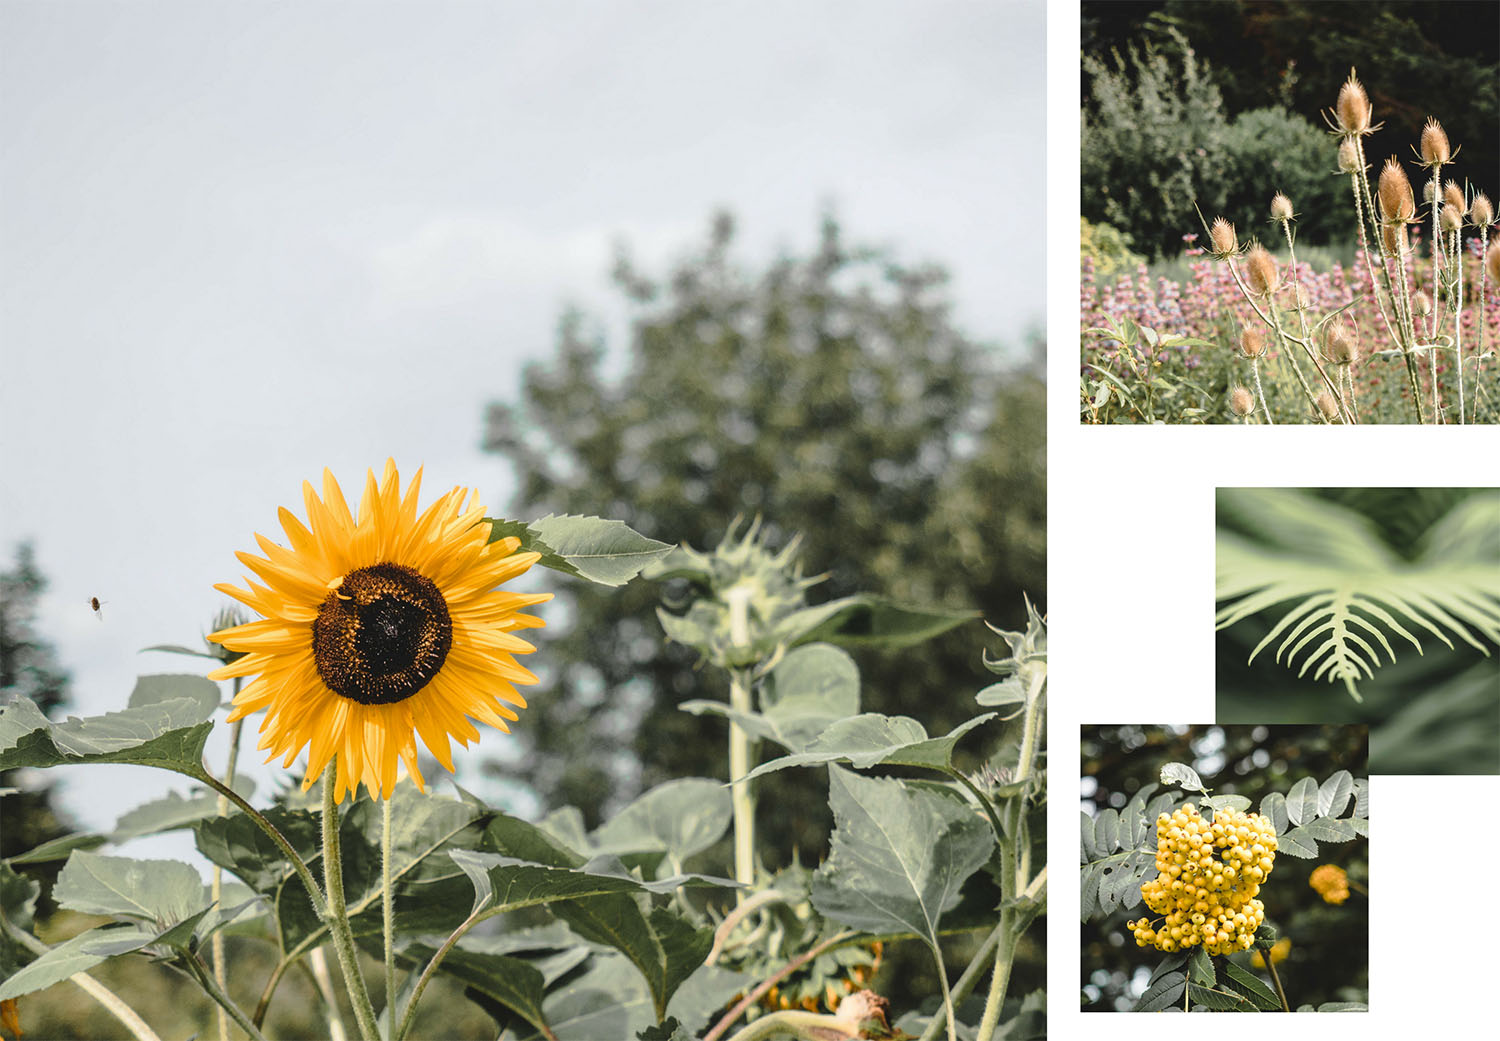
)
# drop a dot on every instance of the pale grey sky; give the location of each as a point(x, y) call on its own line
point(240, 242)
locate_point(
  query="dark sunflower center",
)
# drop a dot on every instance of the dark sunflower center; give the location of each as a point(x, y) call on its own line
point(381, 635)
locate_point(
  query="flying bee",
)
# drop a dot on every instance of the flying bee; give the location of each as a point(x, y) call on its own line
point(96, 603)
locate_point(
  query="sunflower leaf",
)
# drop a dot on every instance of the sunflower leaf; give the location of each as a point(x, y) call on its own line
point(164, 892)
point(158, 729)
point(59, 848)
point(512, 982)
point(870, 739)
point(865, 620)
point(604, 551)
point(899, 856)
point(173, 811)
point(682, 817)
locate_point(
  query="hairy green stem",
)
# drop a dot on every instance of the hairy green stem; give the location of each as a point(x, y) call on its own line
point(388, 917)
point(320, 905)
point(338, 917)
point(971, 975)
point(223, 1000)
point(742, 798)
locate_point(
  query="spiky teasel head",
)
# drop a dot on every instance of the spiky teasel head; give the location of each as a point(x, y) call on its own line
point(1341, 343)
point(1281, 208)
point(1435, 149)
point(1492, 261)
point(1221, 239)
point(1252, 341)
point(1241, 402)
point(1393, 239)
point(1397, 204)
point(1421, 303)
point(1260, 270)
point(1481, 213)
point(1453, 195)
point(1451, 218)
point(1351, 113)
point(1348, 156)
point(1328, 406)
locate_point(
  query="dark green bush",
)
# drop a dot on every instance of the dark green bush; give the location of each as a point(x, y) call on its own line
point(1270, 150)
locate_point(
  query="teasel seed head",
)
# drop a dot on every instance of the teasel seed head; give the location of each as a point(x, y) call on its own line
point(1260, 270)
point(1451, 218)
point(1340, 343)
point(1328, 406)
point(1393, 238)
point(1304, 298)
point(1435, 150)
point(1397, 204)
point(1453, 195)
point(1252, 341)
point(1492, 261)
point(1281, 207)
point(1348, 156)
point(1241, 402)
point(1421, 303)
point(1221, 237)
point(1353, 109)
point(1481, 213)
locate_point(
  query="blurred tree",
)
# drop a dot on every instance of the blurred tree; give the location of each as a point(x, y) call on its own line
point(830, 394)
point(28, 668)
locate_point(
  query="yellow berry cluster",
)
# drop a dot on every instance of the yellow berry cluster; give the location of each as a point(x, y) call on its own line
point(1207, 881)
point(1331, 882)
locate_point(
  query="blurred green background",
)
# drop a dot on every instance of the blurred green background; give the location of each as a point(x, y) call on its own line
point(1329, 955)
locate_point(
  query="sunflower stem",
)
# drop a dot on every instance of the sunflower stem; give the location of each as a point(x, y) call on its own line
point(299, 865)
point(338, 918)
point(216, 943)
point(388, 918)
point(742, 798)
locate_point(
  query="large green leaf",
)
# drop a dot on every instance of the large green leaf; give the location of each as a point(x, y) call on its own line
point(512, 982)
point(809, 690)
point(873, 739)
point(509, 882)
point(164, 726)
point(864, 620)
point(899, 857)
point(610, 1000)
point(18, 904)
point(163, 892)
point(604, 551)
point(59, 848)
point(58, 964)
point(681, 817)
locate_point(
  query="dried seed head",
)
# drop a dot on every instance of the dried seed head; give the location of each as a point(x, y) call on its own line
point(1393, 238)
point(1221, 237)
point(1241, 402)
point(1452, 218)
point(1492, 261)
point(1328, 406)
point(1422, 303)
point(1453, 195)
point(1428, 191)
point(1339, 344)
point(1304, 298)
point(1260, 269)
point(1353, 107)
point(1348, 156)
point(1435, 150)
point(1252, 341)
point(1481, 213)
point(1281, 207)
point(1396, 200)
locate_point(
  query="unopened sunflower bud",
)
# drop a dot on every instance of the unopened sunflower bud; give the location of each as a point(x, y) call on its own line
point(1339, 344)
point(1328, 406)
point(1393, 238)
point(1281, 207)
point(1492, 261)
point(1221, 237)
point(1252, 341)
point(1241, 402)
point(1481, 213)
point(1453, 195)
point(1435, 150)
point(1422, 303)
point(1396, 200)
point(1353, 109)
point(1260, 270)
point(1348, 156)
point(1452, 218)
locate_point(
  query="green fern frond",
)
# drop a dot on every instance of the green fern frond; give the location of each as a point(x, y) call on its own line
point(1343, 606)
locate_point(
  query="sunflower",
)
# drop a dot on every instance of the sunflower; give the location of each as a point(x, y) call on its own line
point(377, 629)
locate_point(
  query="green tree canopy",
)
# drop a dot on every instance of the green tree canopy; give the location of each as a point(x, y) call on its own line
point(832, 395)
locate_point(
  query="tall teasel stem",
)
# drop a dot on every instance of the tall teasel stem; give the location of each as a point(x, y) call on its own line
point(1281, 337)
point(1484, 230)
point(338, 916)
point(1398, 330)
point(1437, 312)
point(1259, 392)
point(1455, 265)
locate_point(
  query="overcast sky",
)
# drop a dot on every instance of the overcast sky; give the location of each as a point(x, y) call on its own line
point(242, 242)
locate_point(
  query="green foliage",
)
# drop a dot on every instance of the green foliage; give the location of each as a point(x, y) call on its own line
point(1155, 387)
point(1348, 588)
point(1270, 150)
point(606, 552)
point(1108, 248)
point(830, 393)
